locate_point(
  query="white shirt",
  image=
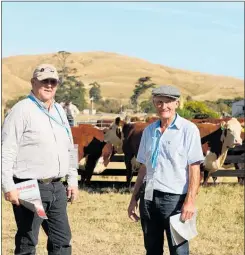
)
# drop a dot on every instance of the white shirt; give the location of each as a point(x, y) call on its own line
point(35, 146)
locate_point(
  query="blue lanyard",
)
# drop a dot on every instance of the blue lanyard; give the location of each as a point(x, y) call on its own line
point(155, 145)
point(48, 114)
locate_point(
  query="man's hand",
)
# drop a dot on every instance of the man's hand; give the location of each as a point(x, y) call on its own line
point(72, 193)
point(187, 211)
point(12, 196)
point(132, 210)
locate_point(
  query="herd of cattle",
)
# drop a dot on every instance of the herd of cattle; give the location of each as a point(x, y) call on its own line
point(97, 145)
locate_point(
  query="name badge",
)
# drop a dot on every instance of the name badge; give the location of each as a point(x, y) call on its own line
point(74, 157)
point(149, 190)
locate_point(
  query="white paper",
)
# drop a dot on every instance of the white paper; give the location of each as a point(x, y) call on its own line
point(30, 197)
point(176, 237)
point(74, 156)
point(183, 230)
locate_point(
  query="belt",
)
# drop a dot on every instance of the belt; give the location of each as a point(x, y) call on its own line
point(42, 181)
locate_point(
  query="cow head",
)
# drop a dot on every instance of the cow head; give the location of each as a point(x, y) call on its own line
point(113, 135)
point(231, 135)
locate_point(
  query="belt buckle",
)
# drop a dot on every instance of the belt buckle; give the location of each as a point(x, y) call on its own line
point(46, 181)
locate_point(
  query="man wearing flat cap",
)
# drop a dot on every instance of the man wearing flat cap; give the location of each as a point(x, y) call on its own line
point(36, 145)
point(170, 154)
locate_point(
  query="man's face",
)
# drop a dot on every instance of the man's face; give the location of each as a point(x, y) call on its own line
point(165, 106)
point(44, 90)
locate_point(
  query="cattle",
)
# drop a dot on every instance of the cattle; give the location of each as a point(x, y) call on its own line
point(216, 121)
point(131, 136)
point(227, 135)
point(104, 123)
point(134, 119)
point(151, 119)
point(216, 139)
point(93, 149)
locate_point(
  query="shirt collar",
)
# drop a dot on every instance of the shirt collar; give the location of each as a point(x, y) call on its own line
point(175, 123)
point(42, 103)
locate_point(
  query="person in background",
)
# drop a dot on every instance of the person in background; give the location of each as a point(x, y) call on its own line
point(67, 108)
point(71, 112)
point(170, 154)
point(36, 143)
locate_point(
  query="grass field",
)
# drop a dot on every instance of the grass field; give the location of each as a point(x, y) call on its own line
point(100, 224)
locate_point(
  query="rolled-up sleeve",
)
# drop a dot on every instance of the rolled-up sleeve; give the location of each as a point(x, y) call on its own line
point(194, 152)
point(12, 132)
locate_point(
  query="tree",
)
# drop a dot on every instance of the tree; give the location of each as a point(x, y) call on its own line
point(140, 88)
point(62, 57)
point(200, 108)
point(109, 106)
point(185, 113)
point(95, 91)
point(189, 98)
point(147, 106)
point(70, 88)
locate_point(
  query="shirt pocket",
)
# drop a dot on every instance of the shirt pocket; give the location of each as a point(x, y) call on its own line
point(176, 154)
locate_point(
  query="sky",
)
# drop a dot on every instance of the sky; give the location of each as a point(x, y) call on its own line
point(198, 36)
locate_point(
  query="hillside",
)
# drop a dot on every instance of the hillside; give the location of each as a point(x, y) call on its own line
point(117, 75)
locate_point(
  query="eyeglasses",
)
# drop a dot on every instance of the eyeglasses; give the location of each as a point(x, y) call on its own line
point(53, 82)
point(160, 102)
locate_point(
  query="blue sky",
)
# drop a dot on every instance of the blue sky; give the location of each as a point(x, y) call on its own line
point(198, 36)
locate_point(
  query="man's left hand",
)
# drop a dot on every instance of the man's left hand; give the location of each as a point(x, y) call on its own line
point(187, 211)
point(72, 193)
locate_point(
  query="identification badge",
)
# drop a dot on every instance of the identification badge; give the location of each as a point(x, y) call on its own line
point(149, 190)
point(74, 157)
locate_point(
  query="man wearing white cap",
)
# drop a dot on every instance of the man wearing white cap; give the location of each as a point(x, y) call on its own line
point(170, 154)
point(36, 142)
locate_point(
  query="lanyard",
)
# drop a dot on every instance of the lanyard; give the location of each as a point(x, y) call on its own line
point(48, 114)
point(155, 145)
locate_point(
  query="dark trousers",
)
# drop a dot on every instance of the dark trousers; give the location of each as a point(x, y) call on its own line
point(155, 220)
point(56, 227)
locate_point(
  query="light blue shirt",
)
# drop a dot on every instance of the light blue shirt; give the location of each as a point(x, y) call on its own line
point(178, 147)
point(34, 145)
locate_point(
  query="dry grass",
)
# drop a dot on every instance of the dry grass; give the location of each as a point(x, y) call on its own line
point(117, 75)
point(100, 225)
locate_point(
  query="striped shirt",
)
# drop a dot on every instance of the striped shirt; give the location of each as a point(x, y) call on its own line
point(178, 147)
point(34, 145)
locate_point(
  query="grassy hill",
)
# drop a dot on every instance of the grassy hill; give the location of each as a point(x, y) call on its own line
point(117, 75)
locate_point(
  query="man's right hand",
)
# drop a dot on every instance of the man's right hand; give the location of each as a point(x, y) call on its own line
point(132, 210)
point(12, 196)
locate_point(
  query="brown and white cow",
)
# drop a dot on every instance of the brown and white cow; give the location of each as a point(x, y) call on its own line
point(227, 135)
point(216, 139)
point(94, 152)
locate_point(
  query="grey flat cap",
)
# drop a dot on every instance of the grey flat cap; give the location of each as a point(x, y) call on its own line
point(167, 91)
